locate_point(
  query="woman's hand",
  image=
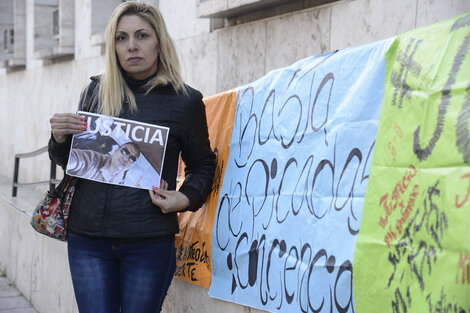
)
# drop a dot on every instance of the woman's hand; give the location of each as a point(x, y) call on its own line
point(64, 124)
point(168, 200)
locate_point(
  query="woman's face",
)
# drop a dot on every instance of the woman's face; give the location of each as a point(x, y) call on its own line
point(136, 47)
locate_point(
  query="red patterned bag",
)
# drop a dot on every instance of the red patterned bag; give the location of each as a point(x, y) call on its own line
point(52, 213)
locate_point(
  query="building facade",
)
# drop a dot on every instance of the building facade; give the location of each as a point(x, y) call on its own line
point(50, 48)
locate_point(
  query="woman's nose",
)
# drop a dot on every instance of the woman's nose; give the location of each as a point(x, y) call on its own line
point(132, 44)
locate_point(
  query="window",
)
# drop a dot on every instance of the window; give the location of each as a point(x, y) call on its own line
point(8, 40)
point(54, 29)
point(55, 22)
point(5, 39)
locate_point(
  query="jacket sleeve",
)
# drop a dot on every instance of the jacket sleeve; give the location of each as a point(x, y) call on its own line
point(198, 157)
point(59, 152)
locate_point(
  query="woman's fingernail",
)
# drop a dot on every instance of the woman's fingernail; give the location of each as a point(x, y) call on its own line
point(154, 188)
point(82, 118)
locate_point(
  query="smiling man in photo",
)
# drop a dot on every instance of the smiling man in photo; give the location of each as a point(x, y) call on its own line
point(102, 167)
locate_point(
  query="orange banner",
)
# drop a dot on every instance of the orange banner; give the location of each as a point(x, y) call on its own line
point(193, 243)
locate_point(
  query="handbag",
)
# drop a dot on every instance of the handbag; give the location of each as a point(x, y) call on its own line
point(50, 217)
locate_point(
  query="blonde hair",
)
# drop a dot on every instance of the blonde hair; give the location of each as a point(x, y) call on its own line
point(113, 89)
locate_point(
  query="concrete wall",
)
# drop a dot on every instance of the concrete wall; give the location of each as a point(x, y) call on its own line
point(213, 61)
point(20, 32)
point(34, 263)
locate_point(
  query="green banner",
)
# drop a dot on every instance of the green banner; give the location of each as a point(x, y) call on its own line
point(413, 249)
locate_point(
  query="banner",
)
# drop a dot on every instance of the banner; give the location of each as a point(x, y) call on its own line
point(193, 243)
point(413, 250)
point(291, 201)
point(290, 218)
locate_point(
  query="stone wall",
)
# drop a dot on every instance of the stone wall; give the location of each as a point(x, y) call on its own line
point(214, 60)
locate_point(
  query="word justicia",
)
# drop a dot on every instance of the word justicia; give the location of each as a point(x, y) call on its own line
point(136, 133)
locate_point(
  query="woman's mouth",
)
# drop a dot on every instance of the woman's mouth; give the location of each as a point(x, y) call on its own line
point(134, 59)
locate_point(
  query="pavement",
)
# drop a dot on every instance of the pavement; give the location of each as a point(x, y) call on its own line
point(11, 300)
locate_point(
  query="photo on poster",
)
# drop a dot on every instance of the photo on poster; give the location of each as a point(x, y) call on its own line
point(118, 151)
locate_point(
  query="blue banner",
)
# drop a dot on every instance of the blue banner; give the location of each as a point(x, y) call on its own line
point(291, 201)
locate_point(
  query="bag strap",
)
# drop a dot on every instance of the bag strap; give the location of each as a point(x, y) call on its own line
point(87, 102)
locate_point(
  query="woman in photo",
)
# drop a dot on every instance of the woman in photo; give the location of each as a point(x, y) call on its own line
point(121, 240)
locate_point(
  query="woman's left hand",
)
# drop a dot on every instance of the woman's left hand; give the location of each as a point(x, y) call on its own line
point(168, 200)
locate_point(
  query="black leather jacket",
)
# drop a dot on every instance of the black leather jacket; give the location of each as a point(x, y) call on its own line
point(111, 211)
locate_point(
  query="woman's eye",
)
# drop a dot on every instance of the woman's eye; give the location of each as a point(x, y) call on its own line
point(120, 38)
point(142, 35)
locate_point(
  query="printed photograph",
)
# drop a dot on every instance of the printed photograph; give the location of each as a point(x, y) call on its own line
point(118, 151)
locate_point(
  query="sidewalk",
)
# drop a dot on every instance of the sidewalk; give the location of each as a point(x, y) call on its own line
point(11, 300)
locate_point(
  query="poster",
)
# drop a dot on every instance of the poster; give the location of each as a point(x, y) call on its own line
point(118, 151)
point(413, 250)
point(291, 201)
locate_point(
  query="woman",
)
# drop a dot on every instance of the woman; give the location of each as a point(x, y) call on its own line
point(121, 240)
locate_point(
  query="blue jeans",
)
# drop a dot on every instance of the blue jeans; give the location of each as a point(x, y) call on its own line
point(127, 278)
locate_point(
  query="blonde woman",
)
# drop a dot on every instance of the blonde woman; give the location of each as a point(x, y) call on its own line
point(121, 240)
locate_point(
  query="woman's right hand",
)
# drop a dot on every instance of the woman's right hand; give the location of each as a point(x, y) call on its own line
point(64, 124)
